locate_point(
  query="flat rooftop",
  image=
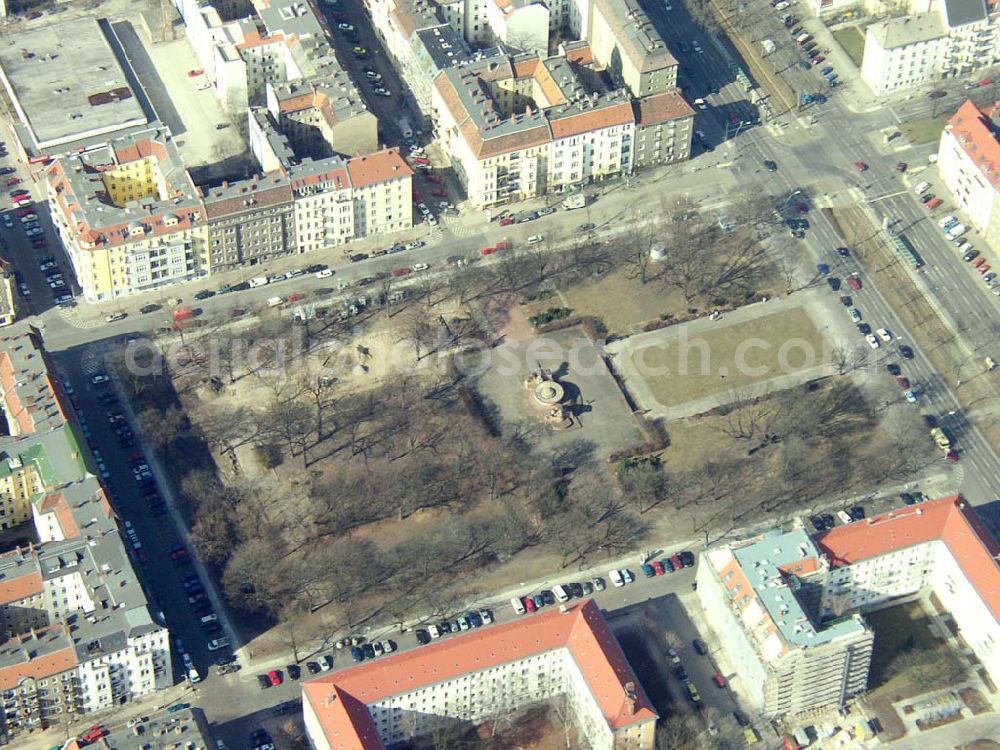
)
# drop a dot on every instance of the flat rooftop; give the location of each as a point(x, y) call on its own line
point(770, 564)
point(66, 83)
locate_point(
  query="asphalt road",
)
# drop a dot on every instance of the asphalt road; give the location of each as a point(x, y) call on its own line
point(818, 157)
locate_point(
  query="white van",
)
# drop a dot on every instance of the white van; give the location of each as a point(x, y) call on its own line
point(616, 578)
point(921, 187)
point(258, 281)
point(803, 38)
point(781, 6)
point(209, 619)
point(844, 518)
point(561, 593)
point(518, 605)
point(193, 675)
point(274, 301)
point(957, 231)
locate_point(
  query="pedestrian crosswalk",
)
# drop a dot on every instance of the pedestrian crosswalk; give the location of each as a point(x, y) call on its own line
point(72, 317)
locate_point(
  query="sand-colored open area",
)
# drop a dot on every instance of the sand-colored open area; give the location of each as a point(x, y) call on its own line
point(689, 368)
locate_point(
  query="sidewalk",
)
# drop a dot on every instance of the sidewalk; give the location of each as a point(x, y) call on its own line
point(932, 485)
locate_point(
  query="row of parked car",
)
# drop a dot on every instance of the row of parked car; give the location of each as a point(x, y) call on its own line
point(468, 621)
point(676, 561)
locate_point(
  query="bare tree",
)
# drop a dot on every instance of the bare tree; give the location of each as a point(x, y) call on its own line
point(635, 247)
point(748, 414)
point(644, 484)
point(418, 327)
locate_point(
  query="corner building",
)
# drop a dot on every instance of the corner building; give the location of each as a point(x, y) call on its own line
point(789, 608)
point(484, 674)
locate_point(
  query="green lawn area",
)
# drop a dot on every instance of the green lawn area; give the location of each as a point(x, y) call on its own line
point(681, 367)
point(920, 132)
point(852, 39)
point(908, 660)
point(896, 629)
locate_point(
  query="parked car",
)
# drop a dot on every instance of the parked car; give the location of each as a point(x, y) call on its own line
point(700, 646)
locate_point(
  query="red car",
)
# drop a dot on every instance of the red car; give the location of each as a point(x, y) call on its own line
point(719, 680)
point(901, 167)
point(275, 677)
point(978, 262)
point(13, 181)
point(488, 250)
point(195, 73)
point(860, 166)
point(420, 160)
point(401, 271)
point(952, 455)
point(435, 178)
point(39, 242)
point(657, 567)
point(24, 211)
point(440, 193)
point(676, 561)
point(503, 245)
point(506, 221)
point(529, 605)
point(734, 119)
point(296, 296)
point(34, 14)
point(933, 203)
point(903, 382)
point(93, 734)
point(854, 281)
point(818, 59)
point(984, 269)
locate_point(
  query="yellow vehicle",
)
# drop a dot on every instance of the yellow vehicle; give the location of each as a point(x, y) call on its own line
point(693, 692)
point(940, 438)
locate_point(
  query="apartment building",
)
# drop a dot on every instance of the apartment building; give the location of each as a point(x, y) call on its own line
point(521, 127)
point(187, 728)
point(939, 546)
point(569, 655)
point(950, 40)
point(625, 43)
point(663, 129)
point(79, 633)
point(128, 216)
point(756, 593)
point(382, 192)
point(761, 597)
point(335, 199)
point(281, 44)
point(250, 222)
point(969, 165)
point(491, 108)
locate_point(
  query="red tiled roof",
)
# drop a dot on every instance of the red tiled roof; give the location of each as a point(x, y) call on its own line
point(582, 55)
point(585, 122)
point(339, 701)
point(949, 519)
point(661, 107)
point(56, 503)
point(21, 587)
point(44, 665)
point(970, 126)
point(378, 167)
